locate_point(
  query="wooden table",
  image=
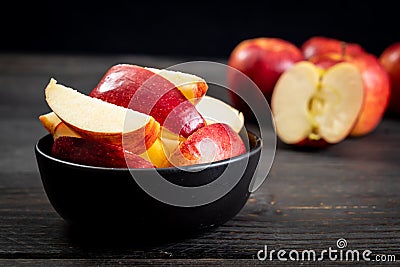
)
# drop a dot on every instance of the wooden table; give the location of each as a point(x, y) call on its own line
point(309, 200)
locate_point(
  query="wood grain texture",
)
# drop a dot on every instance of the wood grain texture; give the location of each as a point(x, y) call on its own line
point(309, 200)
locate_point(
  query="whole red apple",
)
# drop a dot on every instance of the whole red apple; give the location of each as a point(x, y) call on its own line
point(390, 59)
point(263, 60)
point(318, 45)
point(376, 87)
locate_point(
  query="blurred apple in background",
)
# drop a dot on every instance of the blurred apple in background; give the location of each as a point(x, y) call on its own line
point(318, 45)
point(390, 59)
point(376, 86)
point(263, 60)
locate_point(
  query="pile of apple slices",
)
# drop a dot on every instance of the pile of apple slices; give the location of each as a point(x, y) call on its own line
point(139, 117)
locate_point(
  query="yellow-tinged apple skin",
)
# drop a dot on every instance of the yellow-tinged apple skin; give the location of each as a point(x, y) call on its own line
point(263, 60)
point(156, 155)
point(376, 87)
point(210, 143)
point(390, 59)
point(318, 45)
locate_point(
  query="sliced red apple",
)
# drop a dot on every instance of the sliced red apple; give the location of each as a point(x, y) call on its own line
point(211, 143)
point(49, 121)
point(312, 106)
point(63, 130)
point(156, 154)
point(214, 110)
point(94, 153)
point(55, 126)
point(98, 120)
point(191, 86)
point(142, 90)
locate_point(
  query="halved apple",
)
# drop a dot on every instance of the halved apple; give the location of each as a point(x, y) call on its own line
point(214, 110)
point(316, 107)
point(191, 86)
point(98, 120)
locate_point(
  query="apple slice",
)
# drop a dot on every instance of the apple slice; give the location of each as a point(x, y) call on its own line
point(214, 110)
point(98, 120)
point(55, 126)
point(211, 143)
point(156, 155)
point(313, 107)
point(50, 121)
point(63, 130)
point(191, 86)
point(142, 90)
point(94, 153)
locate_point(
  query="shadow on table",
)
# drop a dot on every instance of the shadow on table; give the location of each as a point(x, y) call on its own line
point(99, 237)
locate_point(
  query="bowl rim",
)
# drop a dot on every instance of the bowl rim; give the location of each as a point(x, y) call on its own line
point(194, 167)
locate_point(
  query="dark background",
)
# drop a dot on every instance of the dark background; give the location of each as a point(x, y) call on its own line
point(190, 29)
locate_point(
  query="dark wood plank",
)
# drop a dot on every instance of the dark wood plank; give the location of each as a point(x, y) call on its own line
point(309, 200)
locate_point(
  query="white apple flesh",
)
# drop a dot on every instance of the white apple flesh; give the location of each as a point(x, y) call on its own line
point(101, 121)
point(214, 110)
point(311, 105)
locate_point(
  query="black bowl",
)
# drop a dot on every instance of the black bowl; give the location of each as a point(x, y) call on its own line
point(95, 196)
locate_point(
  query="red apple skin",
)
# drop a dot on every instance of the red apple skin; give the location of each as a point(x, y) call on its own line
point(263, 60)
point(313, 144)
point(318, 45)
point(93, 153)
point(376, 87)
point(390, 59)
point(161, 99)
point(227, 142)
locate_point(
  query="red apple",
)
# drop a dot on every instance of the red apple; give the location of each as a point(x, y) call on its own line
point(376, 86)
point(94, 153)
point(154, 154)
point(191, 86)
point(318, 45)
point(263, 60)
point(97, 120)
point(157, 97)
point(315, 107)
point(390, 59)
point(211, 143)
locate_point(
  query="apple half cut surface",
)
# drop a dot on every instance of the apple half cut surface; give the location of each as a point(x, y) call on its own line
point(97, 120)
point(312, 106)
